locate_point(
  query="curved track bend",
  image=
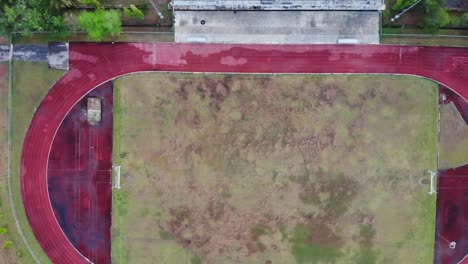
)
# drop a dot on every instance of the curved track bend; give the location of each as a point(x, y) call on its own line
point(92, 64)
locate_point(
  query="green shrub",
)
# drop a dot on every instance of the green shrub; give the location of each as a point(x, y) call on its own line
point(8, 244)
point(58, 4)
point(3, 230)
point(100, 23)
point(435, 15)
point(143, 6)
point(402, 4)
point(90, 3)
point(464, 20)
point(70, 20)
point(454, 21)
point(32, 15)
point(134, 12)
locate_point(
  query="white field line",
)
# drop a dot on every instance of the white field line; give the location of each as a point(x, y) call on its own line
point(461, 260)
point(438, 128)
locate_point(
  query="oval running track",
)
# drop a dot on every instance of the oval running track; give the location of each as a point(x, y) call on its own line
point(92, 64)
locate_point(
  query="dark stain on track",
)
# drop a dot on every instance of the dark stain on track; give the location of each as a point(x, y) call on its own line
point(79, 172)
point(452, 200)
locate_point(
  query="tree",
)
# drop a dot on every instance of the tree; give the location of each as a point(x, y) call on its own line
point(7, 244)
point(57, 26)
point(402, 4)
point(134, 12)
point(59, 4)
point(100, 23)
point(454, 21)
point(464, 20)
point(91, 3)
point(26, 16)
point(435, 15)
point(71, 21)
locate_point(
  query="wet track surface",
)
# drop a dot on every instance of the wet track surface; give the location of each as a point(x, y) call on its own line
point(452, 216)
point(452, 199)
point(449, 96)
point(93, 64)
point(78, 177)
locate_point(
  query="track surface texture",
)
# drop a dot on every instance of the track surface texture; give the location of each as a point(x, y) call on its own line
point(452, 195)
point(78, 177)
point(92, 64)
point(452, 216)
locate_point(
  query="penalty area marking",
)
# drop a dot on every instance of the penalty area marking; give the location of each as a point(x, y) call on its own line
point(116, 177)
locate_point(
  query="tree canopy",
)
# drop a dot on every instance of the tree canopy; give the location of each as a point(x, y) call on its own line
point(464, 20)
point(134, 12)
point(435, 15)
point(100, 23)
point(26, 16)
point(402, 4)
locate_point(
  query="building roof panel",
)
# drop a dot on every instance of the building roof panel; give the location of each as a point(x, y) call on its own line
point(278, 4)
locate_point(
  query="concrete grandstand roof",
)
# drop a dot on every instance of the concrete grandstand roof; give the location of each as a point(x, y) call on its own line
point(278, 4)
point(277, 27)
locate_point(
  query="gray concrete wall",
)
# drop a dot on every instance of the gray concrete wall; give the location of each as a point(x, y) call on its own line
point(277, 27)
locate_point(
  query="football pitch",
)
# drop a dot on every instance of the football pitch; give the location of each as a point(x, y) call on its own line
point(219, 168)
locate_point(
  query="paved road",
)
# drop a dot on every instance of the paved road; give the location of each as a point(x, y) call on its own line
point(56, 54)
point(92, 64)
point(30, 52)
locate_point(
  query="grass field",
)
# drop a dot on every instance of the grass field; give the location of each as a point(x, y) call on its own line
point(31, 82)
point(424, 40)
point(7, 227)
point(453, 138)
point(273, 169)
point(124, 37)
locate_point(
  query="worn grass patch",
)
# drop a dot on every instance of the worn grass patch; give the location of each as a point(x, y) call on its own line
point(424, 40)
point(453, 138)
point(82, 37)
point(274, 169)
point(31, 81)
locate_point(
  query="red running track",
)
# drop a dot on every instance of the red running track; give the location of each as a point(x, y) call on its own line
point(452, 199)
point(452, 216)
point(92, 64)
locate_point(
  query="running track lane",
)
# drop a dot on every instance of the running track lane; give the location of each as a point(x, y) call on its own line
point(92, 64)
